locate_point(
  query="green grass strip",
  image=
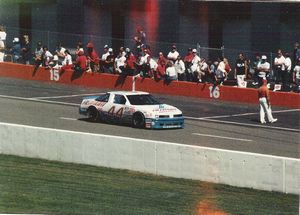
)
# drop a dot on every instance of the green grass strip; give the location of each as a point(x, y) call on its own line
point(40, 186)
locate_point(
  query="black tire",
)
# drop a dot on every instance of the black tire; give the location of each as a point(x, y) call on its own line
point(138, 120)
point(93, 114)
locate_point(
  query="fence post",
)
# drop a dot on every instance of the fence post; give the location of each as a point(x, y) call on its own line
point(223, 51)
point(271, 67)
point(48, 42)
point(199, 49)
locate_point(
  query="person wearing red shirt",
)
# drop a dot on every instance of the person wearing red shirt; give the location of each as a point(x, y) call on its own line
point(81, 62)
point(188, 63)
point(264, 103)
point(92, 57)
point(161, 67)
point(130, 63)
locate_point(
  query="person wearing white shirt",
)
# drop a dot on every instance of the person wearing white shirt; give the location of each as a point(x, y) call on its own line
point(120, 62)
point(2, 43)
point(263, 68)
point(171, 72)
point(279, 67)
point(296, 75)
point(68, 59)
point(286, 79)
point(194, 68)
point(203, 69)
point(47, 56)
point(173, 54)
point(180, 68)
point(221, 72)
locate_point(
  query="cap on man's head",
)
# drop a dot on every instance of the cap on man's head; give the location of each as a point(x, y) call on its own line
point(173, 46)
point(106, 47)
point(127, 50)
point(110, 50)
point(16, 40)
point(194, 51)
point(264, 57)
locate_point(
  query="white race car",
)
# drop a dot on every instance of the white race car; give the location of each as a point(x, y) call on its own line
point(140, 109)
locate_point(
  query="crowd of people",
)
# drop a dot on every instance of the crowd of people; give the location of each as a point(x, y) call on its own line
point(171, 66)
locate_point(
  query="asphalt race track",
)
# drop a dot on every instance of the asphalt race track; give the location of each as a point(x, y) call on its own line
point(209, 123)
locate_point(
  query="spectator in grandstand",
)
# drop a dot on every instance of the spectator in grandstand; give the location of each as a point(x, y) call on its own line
point(212, 72)
point(67, 62)
point(2, 42)
point(296, 75)
point(47, 56)
point(153, 67)
point(109, 62)
point(203, 70)
point(92, 57)
point(173, 54)
point(103, 58)
point(38, 55)
point(171, 74)
point(81, 62)
point(161, 67)
point(144, 65)
point(16, 50)
point(255, 70)
point(78, 47)
point(263, 68)
point(122, 51)
point(296, 53)
point(194, 68)
point(286, 77)
point(264, 103)
point(26, 50)
point(54, 64)
point(140, 37)
point(240, 72)
point(120, 62)
point(129, 63)
point(222, 71)
point(60, 52)
point(188, 63)
point(279, 67)
point(180, 68)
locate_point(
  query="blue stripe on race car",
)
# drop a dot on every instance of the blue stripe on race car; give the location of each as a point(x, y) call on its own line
point(177, 122)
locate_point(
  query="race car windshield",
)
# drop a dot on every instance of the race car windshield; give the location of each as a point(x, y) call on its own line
point(143, 100)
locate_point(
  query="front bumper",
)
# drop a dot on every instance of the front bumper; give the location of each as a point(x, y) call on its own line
point(165, 123)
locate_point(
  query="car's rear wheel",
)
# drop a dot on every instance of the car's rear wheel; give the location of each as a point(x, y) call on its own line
point(93, 114)
point(138, 120)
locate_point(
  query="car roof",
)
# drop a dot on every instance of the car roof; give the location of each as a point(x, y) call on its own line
point(128, 93)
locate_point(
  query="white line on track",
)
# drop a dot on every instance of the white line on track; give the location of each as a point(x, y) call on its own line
point(244, 124)
point(66, 118)
point(222, 137)
point(67, 96)
point(245, 114)
point(37, 100)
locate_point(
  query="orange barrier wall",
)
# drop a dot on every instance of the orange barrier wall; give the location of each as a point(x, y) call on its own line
point(226, 93)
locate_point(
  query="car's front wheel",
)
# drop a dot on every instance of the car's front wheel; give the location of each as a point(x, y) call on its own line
point(138, 120)
point(92, 114)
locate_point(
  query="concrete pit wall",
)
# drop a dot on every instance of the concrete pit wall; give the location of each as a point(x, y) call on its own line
point(234, 168)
